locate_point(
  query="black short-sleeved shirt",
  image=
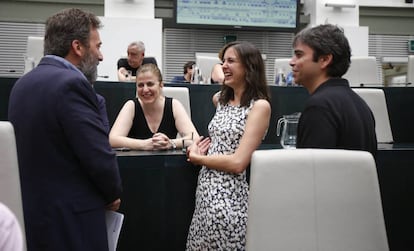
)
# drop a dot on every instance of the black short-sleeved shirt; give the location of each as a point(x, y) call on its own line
point(123, 62)
point(336, 117)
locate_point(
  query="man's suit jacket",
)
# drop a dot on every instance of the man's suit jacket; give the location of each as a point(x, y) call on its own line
point(68, 169)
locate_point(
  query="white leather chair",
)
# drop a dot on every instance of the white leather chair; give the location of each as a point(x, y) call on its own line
point(11, 235)
point(205, 62)
point(10, 191)
point(363, 70)
point(410, 70)
point(181, 94)
point(375, 98)
point(314, 200)
point(34, 52)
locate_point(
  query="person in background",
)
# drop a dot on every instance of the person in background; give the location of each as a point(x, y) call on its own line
point(217, 74)
point(151, 121)
point(188, 71)
point(69, 172)
point(236, 130)
point(127, 67)
point(334, 115)
point(217, 77)
point(11, 235)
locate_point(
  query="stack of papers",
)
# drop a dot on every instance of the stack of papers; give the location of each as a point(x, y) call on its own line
point(113, 226)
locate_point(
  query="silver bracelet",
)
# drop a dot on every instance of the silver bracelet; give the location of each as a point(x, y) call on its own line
point(174, 146)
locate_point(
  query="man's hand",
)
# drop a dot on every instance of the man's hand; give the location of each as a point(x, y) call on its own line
point(114, 206)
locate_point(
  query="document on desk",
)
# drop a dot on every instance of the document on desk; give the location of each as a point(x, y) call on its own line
point(113, 226)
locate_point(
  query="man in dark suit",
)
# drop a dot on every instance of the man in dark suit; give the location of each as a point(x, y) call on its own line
point(69, 173)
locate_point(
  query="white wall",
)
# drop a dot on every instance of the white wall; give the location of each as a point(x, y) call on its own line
point(129, 8)
point(320, 14)
point(358, 39)
point(118, 33)
point(347, 18)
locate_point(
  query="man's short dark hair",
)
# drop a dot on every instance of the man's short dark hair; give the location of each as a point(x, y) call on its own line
point(324, 40)
point(68, 25)
point(188, 65)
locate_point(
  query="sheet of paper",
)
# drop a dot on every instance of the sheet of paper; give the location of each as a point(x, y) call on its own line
point(113, 226)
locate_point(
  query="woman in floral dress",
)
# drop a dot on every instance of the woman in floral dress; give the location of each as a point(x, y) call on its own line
point(236, 130)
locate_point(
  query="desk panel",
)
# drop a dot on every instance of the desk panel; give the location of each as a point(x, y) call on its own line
point(395, 167)
point(400, 105)
point(6, 84)
point(158, 200)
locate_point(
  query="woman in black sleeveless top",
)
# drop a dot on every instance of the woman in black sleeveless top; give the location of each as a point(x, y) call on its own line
point(151, 121)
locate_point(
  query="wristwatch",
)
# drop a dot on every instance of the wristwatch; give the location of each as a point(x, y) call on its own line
point(174, 146)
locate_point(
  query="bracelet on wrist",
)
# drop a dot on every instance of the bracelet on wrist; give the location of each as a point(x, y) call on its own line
point(173, 145)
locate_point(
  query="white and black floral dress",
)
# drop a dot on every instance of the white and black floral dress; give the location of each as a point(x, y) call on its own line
point(220, 215)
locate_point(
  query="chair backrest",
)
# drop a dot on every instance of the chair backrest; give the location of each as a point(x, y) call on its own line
point(410, 70)
point(314, 199)
point(145, 60)
point(34, 52)
point(149, 60)
point(363, 70)
point(10, 191)
point(375, 98)
point(205, 63)
point(181, 94)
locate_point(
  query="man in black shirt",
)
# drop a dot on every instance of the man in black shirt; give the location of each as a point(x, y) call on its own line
point(127, 67)
point(334, 115)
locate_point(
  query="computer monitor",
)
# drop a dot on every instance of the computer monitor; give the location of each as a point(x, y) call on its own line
point(205, 63)
point(34, 52)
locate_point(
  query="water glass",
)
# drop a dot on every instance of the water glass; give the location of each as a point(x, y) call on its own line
point(187, 140)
